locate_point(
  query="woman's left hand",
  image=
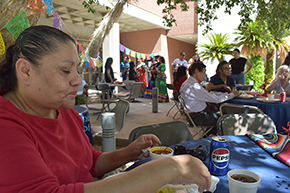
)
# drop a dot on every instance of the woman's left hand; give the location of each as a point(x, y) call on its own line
point(142, 142)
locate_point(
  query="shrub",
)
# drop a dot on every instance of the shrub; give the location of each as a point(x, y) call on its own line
point(80, 99)
point(257, 73)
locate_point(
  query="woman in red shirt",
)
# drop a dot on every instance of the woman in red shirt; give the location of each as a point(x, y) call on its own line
point(43, 145)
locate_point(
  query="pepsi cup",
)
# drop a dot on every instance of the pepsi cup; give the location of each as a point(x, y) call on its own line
point(219, 156)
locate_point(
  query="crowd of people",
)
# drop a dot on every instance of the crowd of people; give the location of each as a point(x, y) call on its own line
point(192, 83)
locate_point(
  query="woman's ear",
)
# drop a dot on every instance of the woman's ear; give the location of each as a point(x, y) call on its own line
point(23, 70)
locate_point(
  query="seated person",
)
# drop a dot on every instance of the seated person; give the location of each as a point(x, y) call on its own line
point(222, 81)
point(196, 97)
point(281, 81)
point(43, 144)
point(180, 77)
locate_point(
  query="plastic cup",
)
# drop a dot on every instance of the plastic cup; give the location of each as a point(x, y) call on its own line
point(271, 96)
point(236, 186)
point(154, 155)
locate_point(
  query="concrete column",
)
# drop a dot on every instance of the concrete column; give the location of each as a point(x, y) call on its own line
point(111, 48)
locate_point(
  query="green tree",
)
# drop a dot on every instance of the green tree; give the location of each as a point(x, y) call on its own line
point(255, 40)
point(217, 48)
point(275, 13)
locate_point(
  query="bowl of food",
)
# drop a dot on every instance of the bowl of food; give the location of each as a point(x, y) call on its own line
point(241, 181)
point(160, 152)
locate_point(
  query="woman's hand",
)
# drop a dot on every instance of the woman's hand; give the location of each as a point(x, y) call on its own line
point(191, 170)
point(142, 142)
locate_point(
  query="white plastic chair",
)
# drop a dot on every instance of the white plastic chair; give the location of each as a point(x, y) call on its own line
point(120, 110)
point(134, 93)
point(169, 133)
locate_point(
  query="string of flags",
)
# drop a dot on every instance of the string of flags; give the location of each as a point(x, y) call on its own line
point(135, 54)
point(20, 23)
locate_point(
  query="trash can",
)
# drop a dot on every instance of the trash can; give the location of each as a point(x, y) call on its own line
point(84, 113)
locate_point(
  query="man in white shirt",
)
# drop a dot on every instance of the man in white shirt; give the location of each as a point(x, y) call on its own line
point(196, 97)
point(179, 62)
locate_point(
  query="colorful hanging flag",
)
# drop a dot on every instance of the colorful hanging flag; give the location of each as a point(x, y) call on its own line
point(87, 64)
point(85, 57)
point(18, 24)
point(152, 56)
point(148, 57)
point(138, 55)
point(80, 46)
point(57, 22)
point(37, 5)
point(49, 7)
point(92, 63)
point(156, 54)
point(122, 48)
point(133, 54)
point(97, 55)
point(2, 45)
point(127, 51)
point(99, 62)
point(143, 56)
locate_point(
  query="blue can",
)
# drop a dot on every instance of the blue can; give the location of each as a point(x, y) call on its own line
point(219, 156)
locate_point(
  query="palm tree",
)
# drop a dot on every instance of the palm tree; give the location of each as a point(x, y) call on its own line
point(217, 48)
point(258, 41)
point(254, 39)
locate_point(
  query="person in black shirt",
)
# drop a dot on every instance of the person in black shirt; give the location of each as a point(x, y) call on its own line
point(238, 66)
point(132, 72)
point(222, 81)
point(109, 74)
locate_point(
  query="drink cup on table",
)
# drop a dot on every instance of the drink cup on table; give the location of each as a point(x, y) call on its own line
point(271, 96)
point(283, 96)
point(243, 181)
point(160, 152)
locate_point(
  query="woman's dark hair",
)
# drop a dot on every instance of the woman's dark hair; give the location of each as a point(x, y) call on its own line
point(132, 65)
point(237, 50)
point(32, 44)
point(181, 71)
point(108, 63)
point(196, 65)
point(220, 66)
point(162, 60)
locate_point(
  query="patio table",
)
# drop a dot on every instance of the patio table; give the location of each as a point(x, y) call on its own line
point(246, 154)
point(278, 111)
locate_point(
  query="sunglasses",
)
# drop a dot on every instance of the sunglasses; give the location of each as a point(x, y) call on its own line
point(195, 152)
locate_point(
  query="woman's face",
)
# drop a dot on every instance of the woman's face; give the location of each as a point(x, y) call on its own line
point(55, 82)
point(283, 72)
point(236, 54)
point(195, 58)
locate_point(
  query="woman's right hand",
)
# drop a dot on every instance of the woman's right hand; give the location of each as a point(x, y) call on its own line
point(191, 170)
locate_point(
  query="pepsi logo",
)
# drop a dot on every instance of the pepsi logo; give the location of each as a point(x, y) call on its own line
point(220, 158)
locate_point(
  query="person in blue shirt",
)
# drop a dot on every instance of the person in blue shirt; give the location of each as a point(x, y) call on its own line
point(124, 67)
point(222, 81)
